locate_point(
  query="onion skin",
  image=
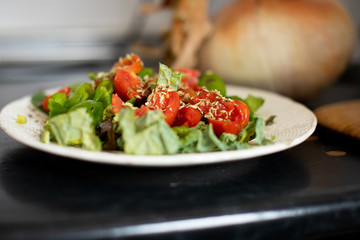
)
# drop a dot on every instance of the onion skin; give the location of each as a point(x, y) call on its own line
point(293, 47)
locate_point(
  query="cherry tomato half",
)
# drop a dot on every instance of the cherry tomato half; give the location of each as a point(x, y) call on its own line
point(240, 114)
point(131, 62)
point(128, 85)
point(205, 99)
point(230, 117)
point(187, 95)
point(188, 116)
point(166, 101)
point(221, 126)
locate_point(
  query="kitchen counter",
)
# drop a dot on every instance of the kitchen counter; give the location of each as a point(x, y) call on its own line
point(301, 193)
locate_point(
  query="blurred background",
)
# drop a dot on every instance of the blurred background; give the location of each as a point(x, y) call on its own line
point(83, 30)
point(77, 32)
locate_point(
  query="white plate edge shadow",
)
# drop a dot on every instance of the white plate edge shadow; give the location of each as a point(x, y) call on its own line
point(13, 129)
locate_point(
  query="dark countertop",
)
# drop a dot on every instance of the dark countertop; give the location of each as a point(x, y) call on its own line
point(299, 193)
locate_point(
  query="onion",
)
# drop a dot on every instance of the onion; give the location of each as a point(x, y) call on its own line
point(293, 47)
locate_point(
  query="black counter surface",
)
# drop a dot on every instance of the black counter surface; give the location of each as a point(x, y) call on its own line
point(300, 193)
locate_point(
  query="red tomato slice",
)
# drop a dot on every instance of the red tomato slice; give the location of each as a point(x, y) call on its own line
point(187, 95)
point(116, 103)
point(221, 126)
point(166, 101)
point(230, 117)
point(205, 99)
point(198, 88)
point(45, 102)
point(188, 116)
point(127, 85)
point(131, 62)
point(141, 111)
point(240, 114)
point(190, 77)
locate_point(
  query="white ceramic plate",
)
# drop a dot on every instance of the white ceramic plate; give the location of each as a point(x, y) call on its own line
point(294, 123)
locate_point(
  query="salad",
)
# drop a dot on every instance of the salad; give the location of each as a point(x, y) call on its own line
point(136, 110)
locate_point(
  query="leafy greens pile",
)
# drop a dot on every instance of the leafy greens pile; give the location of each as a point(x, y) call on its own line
point(85, 119)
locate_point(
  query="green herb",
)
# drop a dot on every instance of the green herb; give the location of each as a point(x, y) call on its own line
point(213, 81)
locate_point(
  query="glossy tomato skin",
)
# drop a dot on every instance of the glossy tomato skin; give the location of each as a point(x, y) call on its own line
point(190, 77)
point(188, 116)
point(240, 114)
point(141, 111)
point(45, 102)
point(131, 62)
point(221, 126)
point(116, 103)
point(226, 115)
point(204, 99)
point(166, 101)
point(128, 85)
point(187, 95)
point(230, 117)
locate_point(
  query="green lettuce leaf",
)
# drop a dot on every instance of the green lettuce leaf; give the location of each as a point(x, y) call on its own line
point(189, 137)
point(74, 128)
point(95, 109)
point(156, 139)
point(200, 138)
point(145, 135)
point(255, 130)
point(168, 77)
point(260, 132)
point(151, 118)
point(209, 142)
point(232, 142)
point(78, 94)
point(57, 104)
point(124, 125)
point(104, 92)
point(254, 103)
